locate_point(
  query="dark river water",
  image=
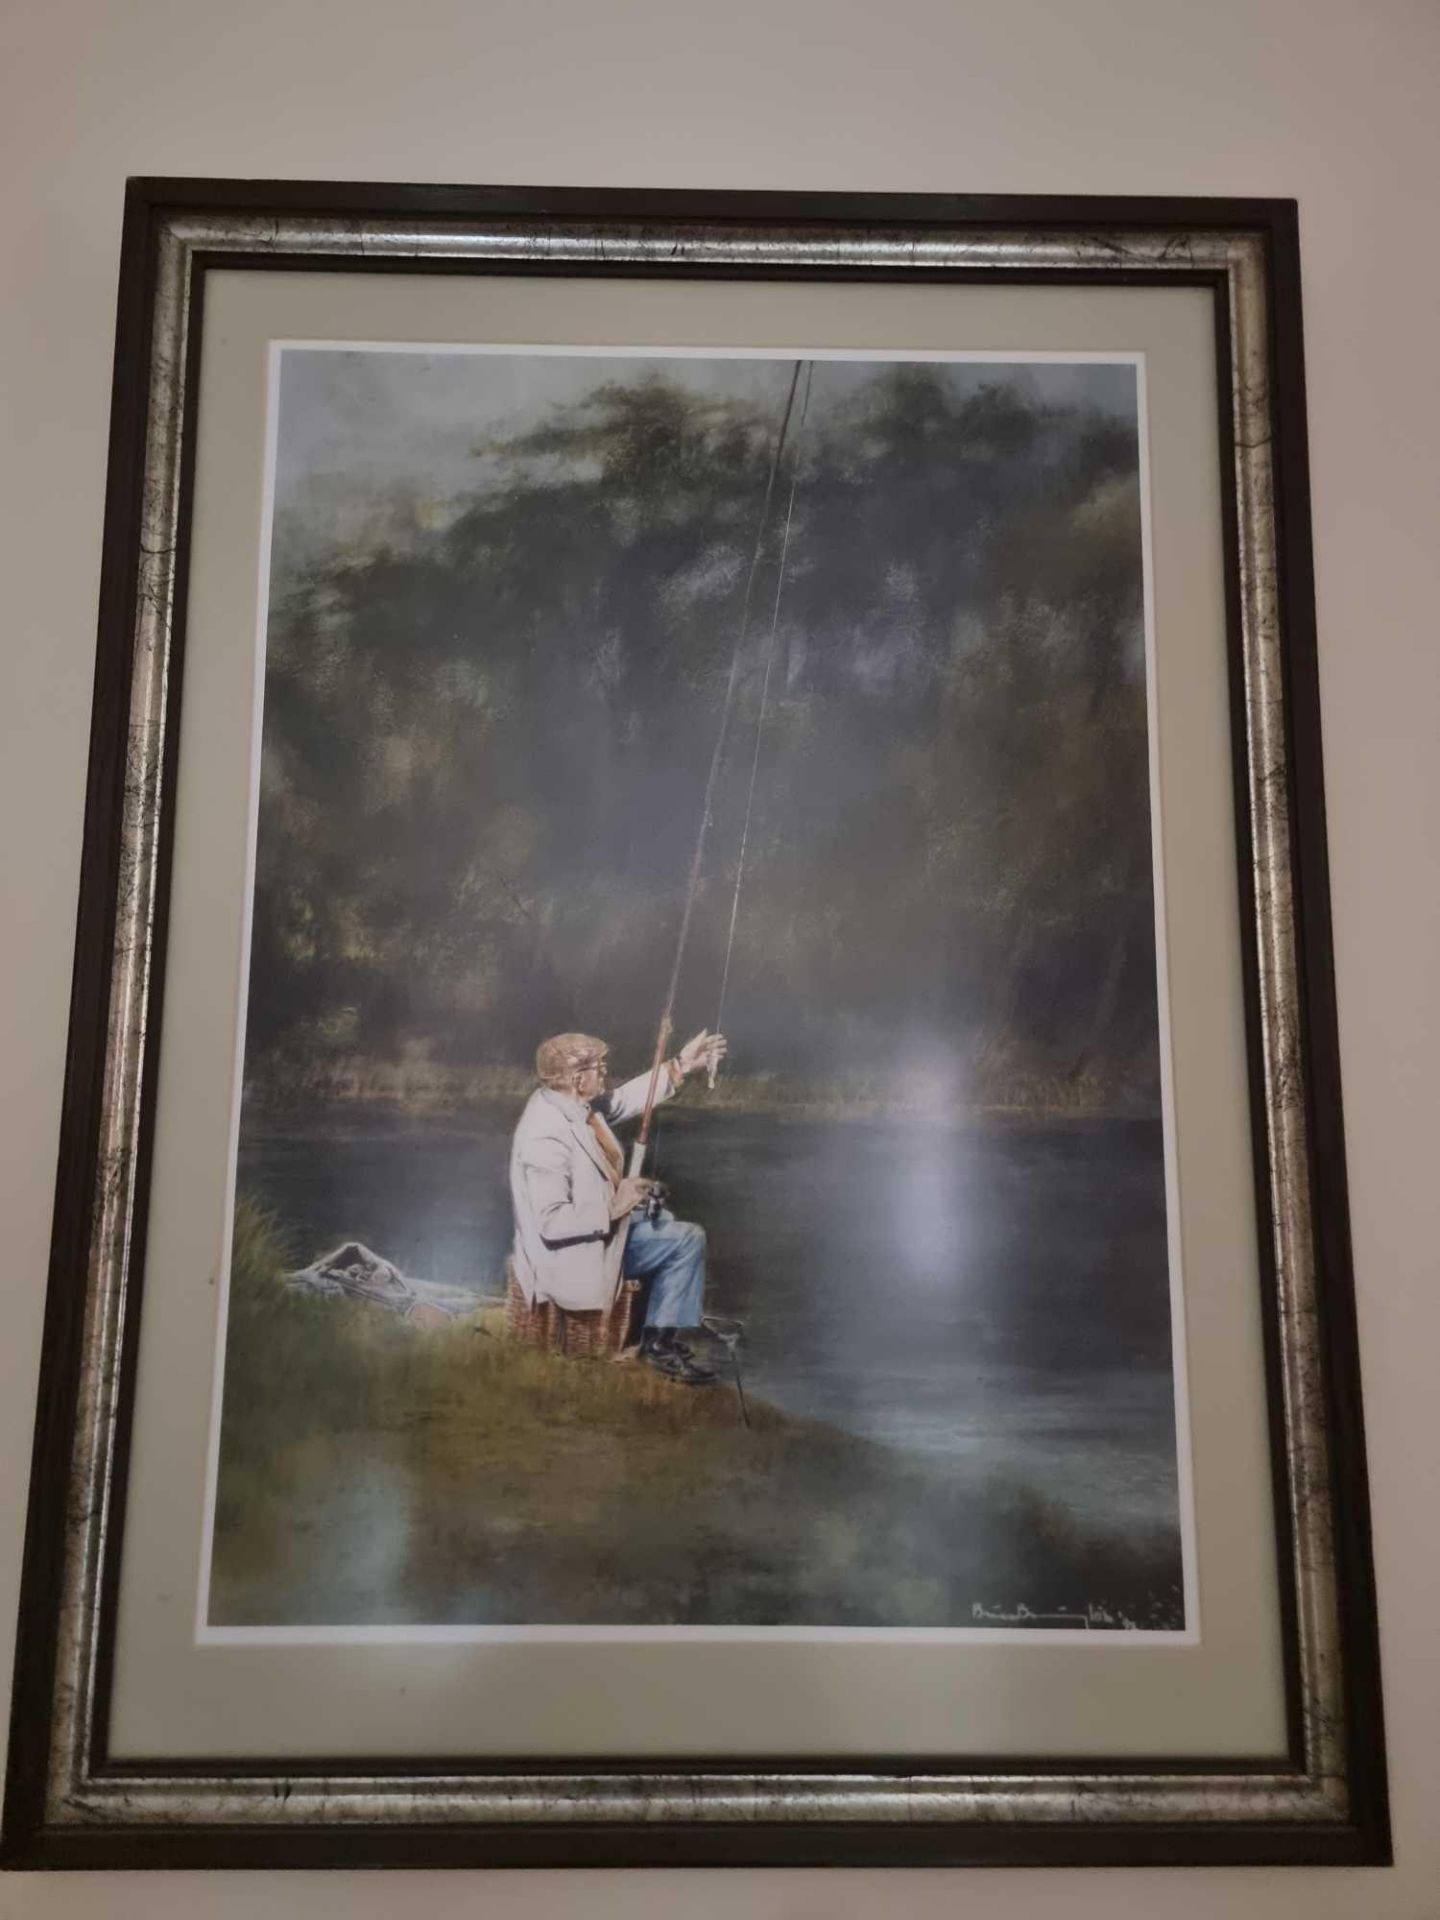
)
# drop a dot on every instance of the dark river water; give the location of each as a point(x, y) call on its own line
point(999, 1290)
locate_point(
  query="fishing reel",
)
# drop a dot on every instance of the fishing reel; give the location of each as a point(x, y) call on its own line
point(654, 1203)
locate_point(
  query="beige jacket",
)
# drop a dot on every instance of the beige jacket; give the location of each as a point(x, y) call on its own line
point(567, 1248)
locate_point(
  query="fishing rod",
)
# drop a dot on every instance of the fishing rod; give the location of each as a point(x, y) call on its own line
point(770, 654)
point(667, 1016)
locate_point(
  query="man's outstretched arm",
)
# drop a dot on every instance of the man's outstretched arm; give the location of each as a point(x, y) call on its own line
point(627, 1100)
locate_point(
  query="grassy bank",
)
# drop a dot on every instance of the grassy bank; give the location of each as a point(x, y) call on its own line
point(372, 1472)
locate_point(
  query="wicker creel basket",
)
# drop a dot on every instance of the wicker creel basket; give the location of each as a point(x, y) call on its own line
point(599, 1334)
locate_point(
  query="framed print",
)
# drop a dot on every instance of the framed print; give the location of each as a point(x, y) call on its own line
point(701, 1215)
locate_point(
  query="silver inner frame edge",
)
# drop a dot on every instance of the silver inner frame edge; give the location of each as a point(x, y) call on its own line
point(1318, 1792)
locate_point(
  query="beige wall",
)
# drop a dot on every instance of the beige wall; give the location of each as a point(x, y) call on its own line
point(1336, 104)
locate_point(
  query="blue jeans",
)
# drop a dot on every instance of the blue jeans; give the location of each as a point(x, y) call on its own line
point(670, 1254)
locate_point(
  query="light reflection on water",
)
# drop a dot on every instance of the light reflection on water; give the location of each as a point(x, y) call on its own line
point(999, 1293)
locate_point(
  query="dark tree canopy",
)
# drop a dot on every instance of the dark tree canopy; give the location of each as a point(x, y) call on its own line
point(486, 741)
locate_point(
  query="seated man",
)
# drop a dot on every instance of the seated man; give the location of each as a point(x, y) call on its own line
point(581, 1221)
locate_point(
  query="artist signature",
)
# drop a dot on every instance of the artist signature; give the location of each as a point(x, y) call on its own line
point(1023, 1616)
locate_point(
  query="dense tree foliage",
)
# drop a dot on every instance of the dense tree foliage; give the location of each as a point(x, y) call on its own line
point(485, 745)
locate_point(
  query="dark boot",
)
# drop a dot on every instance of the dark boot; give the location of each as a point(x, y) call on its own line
point(668, 1355)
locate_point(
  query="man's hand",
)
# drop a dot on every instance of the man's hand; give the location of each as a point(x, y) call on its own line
point(632, 1192)
point(705, 1051)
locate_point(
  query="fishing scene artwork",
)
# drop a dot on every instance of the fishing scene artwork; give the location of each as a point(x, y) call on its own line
point(702, 1147)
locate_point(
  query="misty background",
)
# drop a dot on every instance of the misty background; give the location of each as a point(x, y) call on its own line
point(505, 598)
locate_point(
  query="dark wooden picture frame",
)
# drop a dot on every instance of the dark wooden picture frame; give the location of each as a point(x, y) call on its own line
point(69, 1802)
